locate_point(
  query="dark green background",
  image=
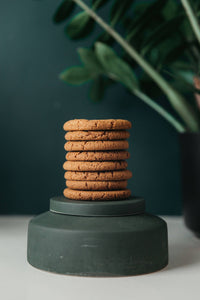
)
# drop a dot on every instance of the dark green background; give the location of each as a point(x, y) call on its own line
point(35, 104)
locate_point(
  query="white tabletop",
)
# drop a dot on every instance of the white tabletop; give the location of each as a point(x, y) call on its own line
point(18, 280)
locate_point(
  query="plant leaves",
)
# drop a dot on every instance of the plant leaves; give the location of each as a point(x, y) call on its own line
point(149, 87)
point(195, 4)
point(166, 52)
point(172, 54)
point(119, 10)
point(183, 66)
point(105, 38)
point(170, 9)
point(80, 26)
point(97, 89)
point(64, 11)
point(99, 86)
point(115, 67)
point(76, 75)
point(187, 30)
point(99, 3)
point(185, 79)
point(162, 32)
point(90, 60)
point(150, 15)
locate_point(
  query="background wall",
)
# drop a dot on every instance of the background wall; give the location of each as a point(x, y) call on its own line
point(34, 104)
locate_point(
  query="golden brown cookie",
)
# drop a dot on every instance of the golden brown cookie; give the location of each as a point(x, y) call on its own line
point(97, 135)
point(96, 195)
point(99, 176)
point(107, 124)
point(95, 165)
point(97, 155)
point(96, 145)
point(96, 185)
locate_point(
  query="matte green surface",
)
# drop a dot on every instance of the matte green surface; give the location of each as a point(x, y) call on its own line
point(125, 207)
point(97, 246)
point(34, 104)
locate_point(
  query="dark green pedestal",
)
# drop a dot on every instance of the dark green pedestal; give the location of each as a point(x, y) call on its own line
point(109, 238)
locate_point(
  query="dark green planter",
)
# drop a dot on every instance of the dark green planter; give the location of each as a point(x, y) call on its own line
point(190, 163)
point(107, 238)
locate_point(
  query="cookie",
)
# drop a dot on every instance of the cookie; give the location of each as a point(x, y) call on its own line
point(99, 176)
point(97, 155)
point(95, 165)
point(96, 195)
point(107, 124)
point(97, 135)
point(96, 185)
point(96, 145)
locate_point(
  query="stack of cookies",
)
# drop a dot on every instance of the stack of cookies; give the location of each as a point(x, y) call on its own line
point(95, 163)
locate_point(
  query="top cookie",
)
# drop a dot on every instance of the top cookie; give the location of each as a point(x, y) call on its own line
point(107, 124)
point(96, 135)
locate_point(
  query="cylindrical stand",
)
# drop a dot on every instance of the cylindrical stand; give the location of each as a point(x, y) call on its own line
point(105, 238)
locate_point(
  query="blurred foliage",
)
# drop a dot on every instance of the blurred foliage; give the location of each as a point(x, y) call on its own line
point(158, 30)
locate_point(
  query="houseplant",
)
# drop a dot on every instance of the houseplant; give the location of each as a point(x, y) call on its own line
point(159, 55)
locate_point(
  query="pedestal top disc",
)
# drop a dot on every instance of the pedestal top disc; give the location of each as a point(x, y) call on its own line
point(125, 207)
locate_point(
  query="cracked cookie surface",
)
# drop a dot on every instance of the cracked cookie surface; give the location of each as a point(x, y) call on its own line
point(96, 195)
point(96, 145)
point(97, 155)
point(95, 165)
point(107, 124)
point(96, 185)
point(99, 176)
point(97, 135)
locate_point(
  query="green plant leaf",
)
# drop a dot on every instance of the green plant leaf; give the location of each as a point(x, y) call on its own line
point(114, 66)
point(80, 26)
point(119, 10)
point(99, 3)
point(97, 89)
point(64, 11)
point(90, 60)
point(165, 52)
point(183, 66)
point(148, 86)
point(118, 70)
point(150, 15)
point(76, 75)
point(184, 79)
point(187, 30)
point(105, 38)
point(162, 32)
point(172, 53)
point(192, 18)
point(170, 9)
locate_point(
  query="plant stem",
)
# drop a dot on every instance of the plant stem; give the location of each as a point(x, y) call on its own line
point(167, 116)
point(177, 101)
point(151, 103)
point(192, 18)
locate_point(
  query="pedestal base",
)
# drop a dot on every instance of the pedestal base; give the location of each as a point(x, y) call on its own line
point(121, 240)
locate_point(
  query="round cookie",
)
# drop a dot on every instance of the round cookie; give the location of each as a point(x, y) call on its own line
point(97, 135)
point(95, 165)
point(96, 195)
point(98, 176)
point(97, 155)
point(107, 124)
point(96, 185)
point(96, 145)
